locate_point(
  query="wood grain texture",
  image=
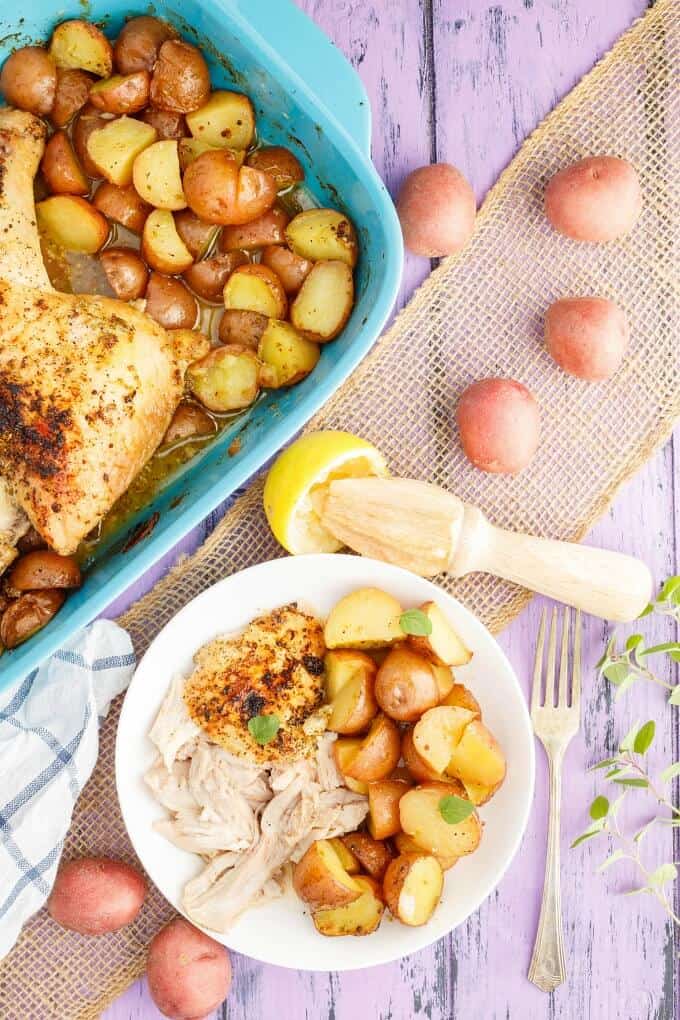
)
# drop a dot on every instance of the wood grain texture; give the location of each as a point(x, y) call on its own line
point(467, 81)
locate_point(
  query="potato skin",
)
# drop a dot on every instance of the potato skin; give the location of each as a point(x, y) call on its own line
point(170, 303)
point(266, 229)
point(383, 806)
point(122, 204)
point(238, 326)
point(73, 92)
point(219, 191)
point(418, 768)
point(166, 124)
point(290, 268)
point(379, 752)
point(43, 568)
point(28, 80)
point(60, 168)
point(587, 336)
point(499, 424)
point(28, 614)
point(126, 272)
point(188, 422)
point(373, 855)
point(405, 685)
point(129, 94)
point(188, 973)
point(437, 209)
point(138, 43)
point(96, 895)
point(597, 199)
point(316, 884)
point(181, 81)
point(280, 162)
point(197, 235)
point(88, 120)
point(208, 277)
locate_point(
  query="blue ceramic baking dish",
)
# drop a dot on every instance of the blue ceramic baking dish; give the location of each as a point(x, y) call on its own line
point(307, 97)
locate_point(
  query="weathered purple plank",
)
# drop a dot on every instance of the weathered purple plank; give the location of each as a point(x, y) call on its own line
point(490, 72)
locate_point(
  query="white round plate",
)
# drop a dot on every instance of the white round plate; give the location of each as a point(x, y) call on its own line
point(281, 932)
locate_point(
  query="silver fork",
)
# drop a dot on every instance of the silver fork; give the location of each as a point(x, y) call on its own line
point(556, 720)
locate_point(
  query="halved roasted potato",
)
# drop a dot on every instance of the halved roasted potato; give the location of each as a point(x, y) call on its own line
point(189, 422)
point(443, 645)
point(422, 818)
point(138, 43)
point(122, 93)
point(354, 705)
point(85, 124)
point(189, 344)
point(165, 123)
point(73, 223)
point(170, 302)
point(114, 147)
point(406, 685)
point(81, 44)
point(342, 665)
point(324, 301)
point(461, 697)
point(320, 879)
point(366, 618)
point(413, 886)
point(477, 756)
point(419, 769)
point(285, 355)
point(480, 794)
point(373, 856)
point(290, 268)
point(383, 806)
point(73, 92)
point(197, 235)
point(266, 229)
point(378, 753)
point(226, 379)
point(220, 191)
point(362, 917)
point(157, 178)
point(162, 247)
point(191, 148)
point(227, 120)
point(280, 162)
point(254, 288)
point(125, 271)
point(437, 733)
point(406, 844)
point(240, 327)
point(322, 235)
point(60, 167)
point(445, 680)
point(349, 862)
point(180, 81)
point(123, 205)
point(208, 277)
point(344, 749)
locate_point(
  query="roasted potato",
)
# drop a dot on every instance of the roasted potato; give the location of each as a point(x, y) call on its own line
point(220, 191)
point(343, 665)
point(208, 277)
point(443, 645)
point(290, 268)
point(373, 856)
point(460, 697)
point(349, 862)
point(28, 614)
point(406, 685)
point(286, 356)
point(180, 81)
point(197, 235)
point(138, 43)
point(354, 704)
point(445, 680)
point(406, 844)
point(283, 166)
point(383, 807)
point(480, 794)
point(344, 750)
point(191, 148)
point(477, 757)
point(170, 303)
point(366, 618)
point(323, 235)
point(437, 733)
point(226, 379)
point(324, 302)
point(122, 93)
point(96, 895)
point(190, 344)
point(254, 288)
point(419, 769)
point(266, 229)
point(165, 123)
point(123, 205)
point(189, 422)
point(86, 123)
point(73, 92)
point(239, 327)
point(114, 147)
point(157, 178)
point(362, 917)
point(499, 422)
point(41, 569)
point(73, 223)
point(437, 209)
point(126, 272)
point(378, 753)
point(188, 973)
point(82, 45)
point(61, 170)
point(320, 879)
point(421, 818)
point(412, 886)
point(28, 80)
point(162, 247)
point(226, 120)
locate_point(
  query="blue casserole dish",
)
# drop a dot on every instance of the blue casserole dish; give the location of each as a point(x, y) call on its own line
point(307, 97)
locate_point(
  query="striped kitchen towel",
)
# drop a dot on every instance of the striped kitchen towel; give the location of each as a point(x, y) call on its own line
point(49, 742)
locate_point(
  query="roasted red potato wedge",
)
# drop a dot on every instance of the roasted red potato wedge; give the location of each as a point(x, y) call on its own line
point(226, 379)
point(180, 82)
point(290, 268)
point(383, 807)
point(226, 120)
point(344, 749)
point(283, 166)
point(208, 277)
point(241, 327)
point(373, 856)
point(82, 45)
point(138, 43)
point(286, 356)
point(477, 757)
point(126, 272)
point(170, 303)
point(413, 887)
point(323, 235)
point(42, 569)
point(266, 229)
point(342, 665)
point(443, 645)
point(320, 879)
point(324, 302)
point(73, 223)
point(419, 769)
point(437, 733)
point(353, 705)
point(422, 818)
point(197, 235)
point(406, 844)
point(157, 178)
point(189, 422)
point(254, 288)
point(366, 618)
point(362, 917)
point(86, 123)
point(165, 123)
point(122, 93)
point(349, 862)
point(28, 80)
point(220, 191)
point(406, 685)
point(378, 753)
point(113, 147)
point(162, 247)
point(123, 205)
point(460, 697)
point(61, 170)
point(73, 92)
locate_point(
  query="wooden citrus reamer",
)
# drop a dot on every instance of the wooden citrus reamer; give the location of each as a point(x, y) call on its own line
point(428, 530)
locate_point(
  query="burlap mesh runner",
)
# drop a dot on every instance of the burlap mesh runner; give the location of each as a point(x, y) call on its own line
point(475, 316)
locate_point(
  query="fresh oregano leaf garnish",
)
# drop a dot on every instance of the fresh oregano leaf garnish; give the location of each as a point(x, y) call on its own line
point(416, 622)
point(263, 728)
point(455, 809)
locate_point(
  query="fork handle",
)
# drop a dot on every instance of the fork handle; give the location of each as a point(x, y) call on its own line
point(547, 969)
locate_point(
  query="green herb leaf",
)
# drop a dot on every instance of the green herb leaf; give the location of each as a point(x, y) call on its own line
point(599, 808)
point(263, 728)
point(629, 739)
point(604, 764)
point(612, 859)
point(669, 587)
point(636, 892)
point(416, 622)
point(649, 608)
point(664, 873)
point(617, 672)
point(675, 696)
point(644, 737)
point(593, 830)
point(455, 809)
point(671, 772)
point(614, 772)
point(642, 783)
point(634, 641)
point(666, 646)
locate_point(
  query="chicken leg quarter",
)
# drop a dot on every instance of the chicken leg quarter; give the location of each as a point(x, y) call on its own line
point(88, 384)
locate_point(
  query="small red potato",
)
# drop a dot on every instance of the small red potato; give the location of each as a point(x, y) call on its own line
point(188, 973)
point(126, 272)
point(122, 93)
point(170, 303)
point(197, 235)
point(60, 167)
point(73, 91)
point(208, 277)
point(320, 878)
point(405, 685)
point(378, 753)
point(413, 886)
point(95, 895)
point(597, 199)
point(284, 167)
point(43, 568)
point(587, 336)
point(373, 855)
point(499, 424)
point(181, 81)
point(122, 204)
point(437, 209)
point(28, 80)
point(165, 124)
point(383, 806)
point(290, 268)
point(266, 229)
point(189, 422)
point(28, 614)
point(221, 191)
point(138, 43)
point(416, 765)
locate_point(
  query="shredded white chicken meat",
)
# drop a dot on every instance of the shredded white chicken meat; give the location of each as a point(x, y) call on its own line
point(248, 821)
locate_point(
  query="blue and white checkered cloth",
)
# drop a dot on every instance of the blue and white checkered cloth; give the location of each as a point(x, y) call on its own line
point(49, 741)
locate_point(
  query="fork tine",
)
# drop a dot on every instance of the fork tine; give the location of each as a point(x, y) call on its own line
point(576, 665)
point(564, 661)
point(552, 655)
point(538, 664)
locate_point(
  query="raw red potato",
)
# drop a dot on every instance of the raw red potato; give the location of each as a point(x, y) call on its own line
point(437, 209)
point(95, 895)
point(597, 199)
point(499, 423)
point(189, 974)
point(587, 336)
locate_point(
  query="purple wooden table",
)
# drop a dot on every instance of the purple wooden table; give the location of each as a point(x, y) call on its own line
point(466, 81)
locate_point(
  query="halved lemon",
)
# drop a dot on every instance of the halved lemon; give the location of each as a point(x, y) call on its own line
point(310, 462)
